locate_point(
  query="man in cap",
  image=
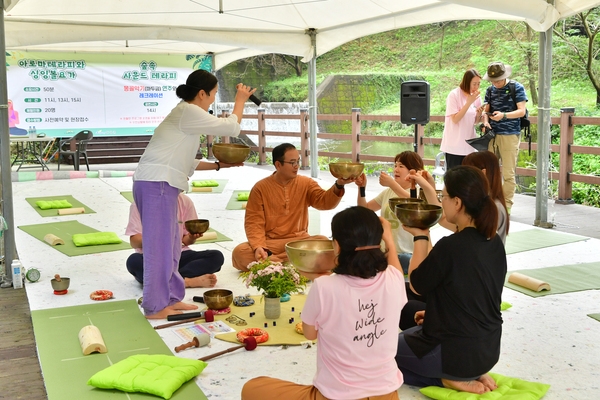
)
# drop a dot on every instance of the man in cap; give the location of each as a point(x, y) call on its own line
point(502, 113)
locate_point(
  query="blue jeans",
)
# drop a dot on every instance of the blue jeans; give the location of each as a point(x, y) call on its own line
point(404, 261)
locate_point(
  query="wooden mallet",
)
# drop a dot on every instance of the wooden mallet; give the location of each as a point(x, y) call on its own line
point(200, 340)
point(208, 316)
point(249, 344)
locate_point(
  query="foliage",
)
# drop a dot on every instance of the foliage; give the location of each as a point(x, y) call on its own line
point(274, 278)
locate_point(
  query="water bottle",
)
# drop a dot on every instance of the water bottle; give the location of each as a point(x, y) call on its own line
point(34, 131)
point(17, 279)
point(31, 132)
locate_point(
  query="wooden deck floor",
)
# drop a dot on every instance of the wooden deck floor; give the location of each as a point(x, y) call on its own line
point(20, 373)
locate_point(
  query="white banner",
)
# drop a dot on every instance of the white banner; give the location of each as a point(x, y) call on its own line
point(112, 95)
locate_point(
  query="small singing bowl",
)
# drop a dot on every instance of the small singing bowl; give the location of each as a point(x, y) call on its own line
point(197, 226)
point(218, 299)
point(393, 201)
point(230, 153)
point(418, 215)
point(346, 170)
point(63, 284)
point(312, 255)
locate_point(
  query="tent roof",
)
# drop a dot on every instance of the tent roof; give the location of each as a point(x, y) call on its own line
point(234, 29)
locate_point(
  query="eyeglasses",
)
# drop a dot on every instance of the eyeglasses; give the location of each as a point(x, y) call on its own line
point(441, 196)
point(293, 163)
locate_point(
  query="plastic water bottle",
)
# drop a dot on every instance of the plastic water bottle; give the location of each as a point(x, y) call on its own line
point(31, 132)
point(17, 279)
point(34, 131)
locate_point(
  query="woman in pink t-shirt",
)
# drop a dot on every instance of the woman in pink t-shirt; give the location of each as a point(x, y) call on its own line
point(463, 108)
point(354, 313)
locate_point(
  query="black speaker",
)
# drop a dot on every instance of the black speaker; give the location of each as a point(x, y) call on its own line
point(414, 102)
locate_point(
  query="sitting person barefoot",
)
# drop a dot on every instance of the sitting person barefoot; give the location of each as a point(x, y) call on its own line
point(277, 209)
point(457, 338)
point(196, 267)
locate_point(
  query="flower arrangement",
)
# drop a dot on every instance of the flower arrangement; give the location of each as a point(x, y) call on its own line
point(274, 278)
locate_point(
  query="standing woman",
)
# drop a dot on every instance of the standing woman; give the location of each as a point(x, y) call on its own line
point(163, 172)
point(457, 338)
point(463, 109)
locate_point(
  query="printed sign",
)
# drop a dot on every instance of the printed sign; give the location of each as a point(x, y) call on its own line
point(60, 94)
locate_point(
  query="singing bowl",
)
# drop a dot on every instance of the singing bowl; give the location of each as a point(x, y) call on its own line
point(393, 201)
point(311, 255)
point(346, 170)
point(218, 299)
point(63, 284)
point(195, 226)
point(230, 153)
point(418, 215)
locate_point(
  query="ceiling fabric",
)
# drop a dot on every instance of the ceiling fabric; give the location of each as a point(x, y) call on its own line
point(234, 29)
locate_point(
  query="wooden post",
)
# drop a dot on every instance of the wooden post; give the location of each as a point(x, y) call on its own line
point(304, 139)
point(567, 130)
point(355, 136)
point(262, 139)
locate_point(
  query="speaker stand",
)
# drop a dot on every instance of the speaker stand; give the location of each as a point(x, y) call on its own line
point(416, 142)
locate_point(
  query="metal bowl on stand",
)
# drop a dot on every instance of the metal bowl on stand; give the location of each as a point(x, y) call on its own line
point(218, 299)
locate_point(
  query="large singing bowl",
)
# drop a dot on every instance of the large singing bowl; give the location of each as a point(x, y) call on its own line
point(230, 153)
point(311, 255)
point(418, 215)
point(393, 201)
point(346, 170)
point(197, 226)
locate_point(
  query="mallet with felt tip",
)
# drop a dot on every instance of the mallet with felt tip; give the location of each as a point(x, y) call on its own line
point(208, 316)
point(249, 343)
point(200, 340)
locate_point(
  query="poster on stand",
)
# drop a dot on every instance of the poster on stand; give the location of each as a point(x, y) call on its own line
point(60, 94)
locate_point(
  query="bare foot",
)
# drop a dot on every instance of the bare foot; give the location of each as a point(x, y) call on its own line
point(208, 280)
point(164, 313)
point(466, 386)
point(488, 381)
point(183, 306)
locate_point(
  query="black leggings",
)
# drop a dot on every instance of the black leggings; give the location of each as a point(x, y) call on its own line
point(191, 264)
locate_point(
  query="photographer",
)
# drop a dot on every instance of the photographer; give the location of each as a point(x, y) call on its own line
point(503, 114)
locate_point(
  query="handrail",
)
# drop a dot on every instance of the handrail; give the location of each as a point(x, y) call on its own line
point(566, 149)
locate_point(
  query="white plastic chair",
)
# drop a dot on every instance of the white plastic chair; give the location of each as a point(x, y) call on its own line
point(440, 166)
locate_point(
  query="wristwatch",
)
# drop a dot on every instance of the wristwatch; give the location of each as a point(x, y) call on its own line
point(340, 187)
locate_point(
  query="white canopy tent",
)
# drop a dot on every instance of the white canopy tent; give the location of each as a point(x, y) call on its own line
point(234, 29)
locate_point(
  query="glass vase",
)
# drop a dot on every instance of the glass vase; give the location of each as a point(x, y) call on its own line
point(272, 307)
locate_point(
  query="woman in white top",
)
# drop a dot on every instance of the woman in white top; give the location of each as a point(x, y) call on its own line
point(463, 108)
point(163, 172)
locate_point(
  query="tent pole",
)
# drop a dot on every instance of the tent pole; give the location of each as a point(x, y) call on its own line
point(543, 148)
point(312, 105)
point(6, 208)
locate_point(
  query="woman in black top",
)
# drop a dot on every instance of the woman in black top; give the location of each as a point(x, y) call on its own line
point(462, 276)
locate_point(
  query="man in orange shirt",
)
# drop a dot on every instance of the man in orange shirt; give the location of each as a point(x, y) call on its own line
point(277, 209)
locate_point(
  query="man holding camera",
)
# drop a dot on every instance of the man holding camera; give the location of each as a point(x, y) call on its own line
point(503, 113)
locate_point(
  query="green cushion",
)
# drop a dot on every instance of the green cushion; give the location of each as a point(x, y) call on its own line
point(505, 306)
point(508, 389)
point(243, 196)
point(205, 183)
point(96, 238)
point(158, 374)
point(48, 204)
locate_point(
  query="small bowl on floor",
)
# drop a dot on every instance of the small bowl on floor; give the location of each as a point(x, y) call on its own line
point(62, 284)
point(197, 226)
point(218, 299)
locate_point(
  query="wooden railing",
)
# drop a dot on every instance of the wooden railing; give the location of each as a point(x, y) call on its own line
point(566, 148)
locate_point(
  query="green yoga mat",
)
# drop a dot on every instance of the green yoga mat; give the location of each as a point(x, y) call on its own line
point(533, 239)
point(65, 230)
point(233, 203)
point(563, 279)
point(128, 195)
point(220, 238)
point(54, 212)
point(595, 316)
point(125, 332)
point(216, 189)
